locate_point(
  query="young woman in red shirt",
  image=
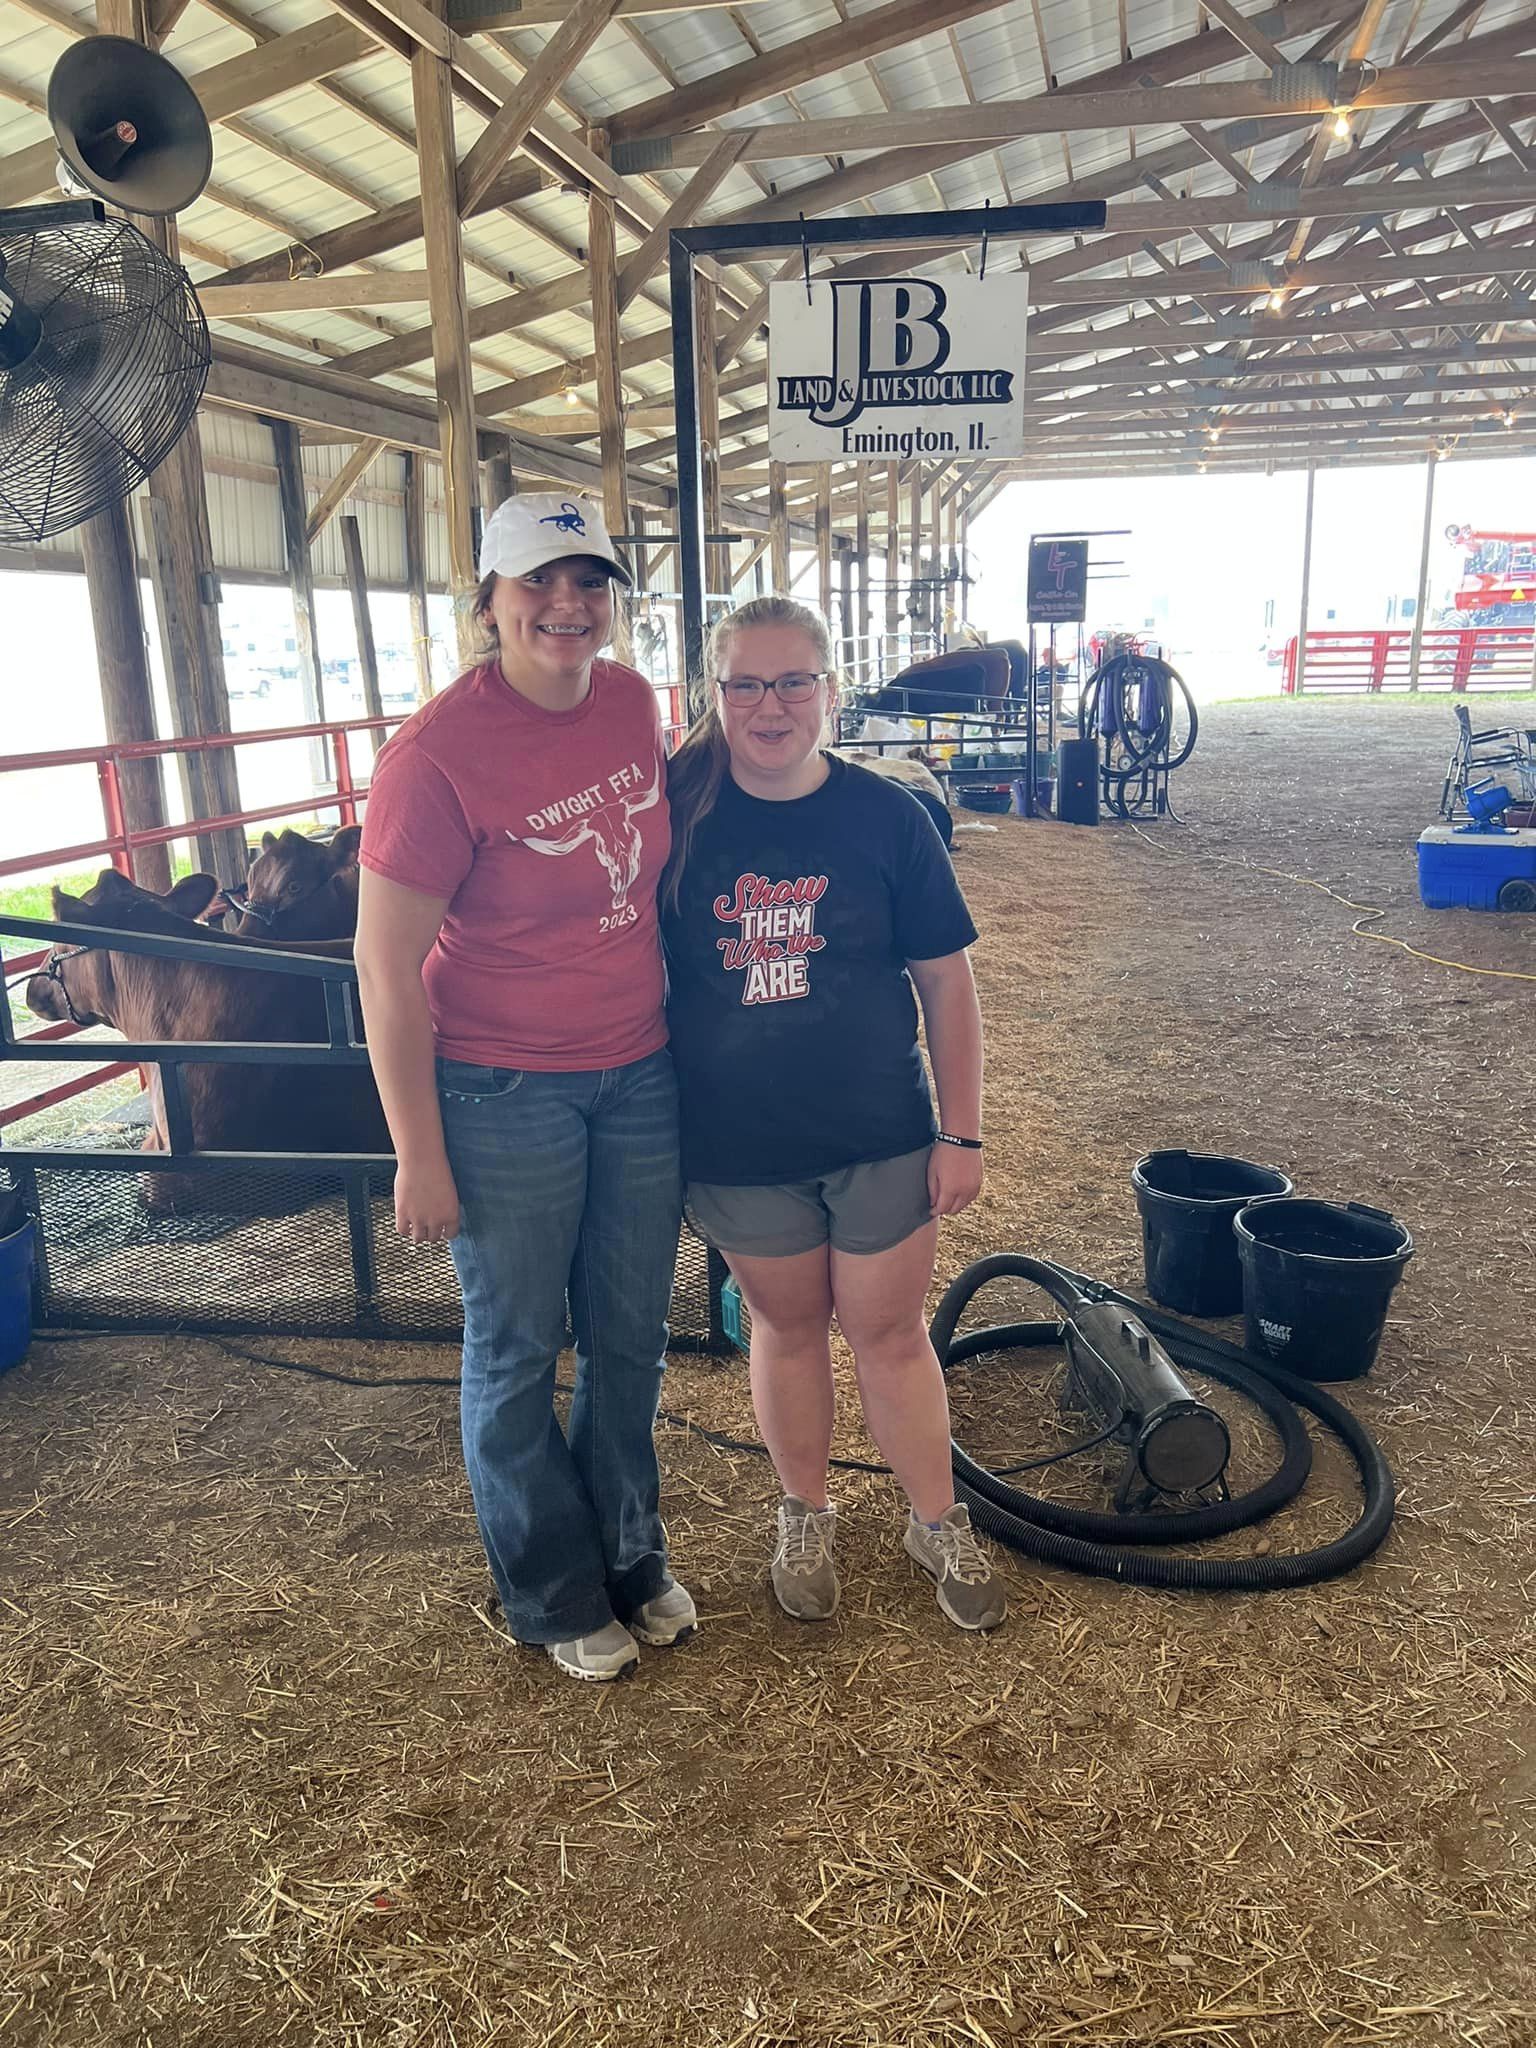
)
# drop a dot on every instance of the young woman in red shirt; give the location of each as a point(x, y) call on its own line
point(511, 976)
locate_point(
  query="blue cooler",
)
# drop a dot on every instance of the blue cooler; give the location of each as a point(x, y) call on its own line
point(1472, 870)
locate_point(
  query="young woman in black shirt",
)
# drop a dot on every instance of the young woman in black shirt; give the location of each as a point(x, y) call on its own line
point(805, 900)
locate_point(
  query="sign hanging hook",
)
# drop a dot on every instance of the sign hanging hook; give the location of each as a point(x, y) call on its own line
point(805, 259)
point(985, 214)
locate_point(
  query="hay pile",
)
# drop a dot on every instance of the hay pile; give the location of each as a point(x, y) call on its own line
point(269, 1773)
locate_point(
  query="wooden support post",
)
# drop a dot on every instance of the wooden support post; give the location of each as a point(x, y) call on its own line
point(497, 483)
point(357, 584)
point(213, 783)
point(432, 93)
point(1416, 644)
point(778, 525)
point(892, 649)
point(1306, 583)
point(848, 659)
point(948, 565)
point(202, 788)
point(602, 257)
point(717, 574)
point(416, 573)
point(916, 605)
point(185, 584)
point(301, 582)
point(122, 661)
point(938, 597)
point(824, 539)
point(640, 560)
point(861, 622)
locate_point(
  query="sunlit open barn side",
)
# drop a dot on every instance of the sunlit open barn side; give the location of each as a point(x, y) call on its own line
point(767, 887)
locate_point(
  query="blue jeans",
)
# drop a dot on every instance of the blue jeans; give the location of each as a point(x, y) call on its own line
point(567, 1183)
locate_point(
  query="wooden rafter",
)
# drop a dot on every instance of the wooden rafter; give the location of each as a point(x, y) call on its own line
point(510, 124)
point(341, 487)
point(1004, 120)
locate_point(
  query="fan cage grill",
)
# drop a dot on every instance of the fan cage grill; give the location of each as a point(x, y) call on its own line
point(113, 382)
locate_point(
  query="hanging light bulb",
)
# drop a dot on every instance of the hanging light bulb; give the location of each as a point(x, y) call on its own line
point(1276, 300)
point(1341, 125)
point(1213, 433)
point(572, 395)
point(1509, 419)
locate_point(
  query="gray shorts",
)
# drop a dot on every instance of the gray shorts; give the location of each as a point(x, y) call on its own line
point(860, 1209)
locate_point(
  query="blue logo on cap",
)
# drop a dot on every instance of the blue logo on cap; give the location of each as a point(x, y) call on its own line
point(567, 520)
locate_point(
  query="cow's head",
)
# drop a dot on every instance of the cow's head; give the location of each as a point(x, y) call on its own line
point(77, 985)
point(288, 872)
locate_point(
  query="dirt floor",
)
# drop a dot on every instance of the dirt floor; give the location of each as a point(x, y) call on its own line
point(269, 1773)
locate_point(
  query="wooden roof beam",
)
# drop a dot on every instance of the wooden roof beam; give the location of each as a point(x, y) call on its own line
point(542, 13)
point(556, 294)
point(993, 121)
point(1248, 33)
point(1522, 152)
point(797, 62)
point(1187, 58)
point(341, 487)
point(509, 125)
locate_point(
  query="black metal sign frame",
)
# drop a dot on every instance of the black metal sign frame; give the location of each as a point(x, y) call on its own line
point(734, 240)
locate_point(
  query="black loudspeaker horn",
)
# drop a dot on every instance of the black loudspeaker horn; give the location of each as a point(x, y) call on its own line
point(129, 127)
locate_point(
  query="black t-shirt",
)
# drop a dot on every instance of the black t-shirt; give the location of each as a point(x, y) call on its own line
point(793, 1021)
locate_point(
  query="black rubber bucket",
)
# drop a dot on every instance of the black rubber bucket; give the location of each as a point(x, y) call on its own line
point(1188, 1201)
point(1317, 1278)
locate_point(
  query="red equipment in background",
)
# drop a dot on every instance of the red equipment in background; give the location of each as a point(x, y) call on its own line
point(1498, 578)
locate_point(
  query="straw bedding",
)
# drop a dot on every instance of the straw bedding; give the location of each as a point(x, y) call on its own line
point(269, 1773)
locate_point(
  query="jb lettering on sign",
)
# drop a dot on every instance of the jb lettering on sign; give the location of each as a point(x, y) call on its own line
point(881, 369)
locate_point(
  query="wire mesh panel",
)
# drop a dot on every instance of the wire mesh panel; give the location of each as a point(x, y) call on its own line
point(264, 1253)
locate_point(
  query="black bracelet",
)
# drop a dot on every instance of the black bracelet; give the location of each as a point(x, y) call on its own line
point(966, 1144)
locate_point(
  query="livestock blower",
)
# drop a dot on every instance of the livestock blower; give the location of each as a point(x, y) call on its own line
point(1125, 1365)
point(1140, 710)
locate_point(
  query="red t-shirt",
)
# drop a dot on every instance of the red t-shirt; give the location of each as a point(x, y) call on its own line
point(547, 831)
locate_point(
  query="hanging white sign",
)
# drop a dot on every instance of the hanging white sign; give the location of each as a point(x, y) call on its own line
point(882, 369)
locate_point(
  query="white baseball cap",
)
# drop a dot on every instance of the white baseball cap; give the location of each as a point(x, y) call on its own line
point(545, 526)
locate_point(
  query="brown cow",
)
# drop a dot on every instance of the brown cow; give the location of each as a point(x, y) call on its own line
point(300, 888)
point(232, 1108)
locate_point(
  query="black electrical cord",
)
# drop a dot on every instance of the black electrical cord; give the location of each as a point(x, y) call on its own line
point(721, 1441)
point(1079, 1539)
point(1097, 1544)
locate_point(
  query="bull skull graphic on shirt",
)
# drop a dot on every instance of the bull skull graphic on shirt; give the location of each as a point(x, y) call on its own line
point(608, 827)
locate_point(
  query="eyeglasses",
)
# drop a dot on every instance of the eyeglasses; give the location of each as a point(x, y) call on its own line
point(790, 689)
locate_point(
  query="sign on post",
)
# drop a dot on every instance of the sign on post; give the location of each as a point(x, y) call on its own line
point(1058, 582)
point(882, 369)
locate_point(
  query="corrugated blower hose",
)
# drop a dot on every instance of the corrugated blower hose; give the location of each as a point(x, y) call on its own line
point(1123, 1359)
point(1130, 704)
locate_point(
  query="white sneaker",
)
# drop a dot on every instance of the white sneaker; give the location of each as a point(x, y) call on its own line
point(608, 1653)
point(954, 1556)
point(667, 1618)
point(803, 1575)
